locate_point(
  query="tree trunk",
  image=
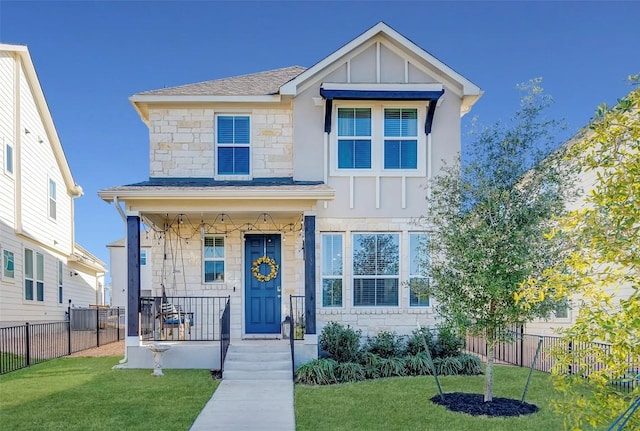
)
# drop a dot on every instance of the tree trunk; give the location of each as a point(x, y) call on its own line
point(488, 390)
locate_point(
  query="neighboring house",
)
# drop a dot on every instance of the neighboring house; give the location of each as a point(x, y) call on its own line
point(294, 181)
point(43, 269)
point(567, 312)
point(118, 270)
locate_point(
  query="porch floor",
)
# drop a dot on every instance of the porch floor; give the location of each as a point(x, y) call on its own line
point(256, 390)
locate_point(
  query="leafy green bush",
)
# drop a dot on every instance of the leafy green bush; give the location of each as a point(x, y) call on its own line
point(471, 364)
point(350, 372)
point(417, 365)
point(417, 340)
point(371, 363)
point(318, 372)
point(448, 366)
point(385, 344)
point(391, 367)
point(448, 343)
point(340, 342)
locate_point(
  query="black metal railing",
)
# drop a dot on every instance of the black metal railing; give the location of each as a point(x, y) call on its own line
point(296, 325)
point(225, 332)
point(521, 352)
point(181, 318)
point(24, 345)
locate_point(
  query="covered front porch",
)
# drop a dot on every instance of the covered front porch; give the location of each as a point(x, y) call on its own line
point(252, 253)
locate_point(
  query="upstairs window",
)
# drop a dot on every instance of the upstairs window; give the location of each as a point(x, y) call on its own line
point(233, 139)
point(8, 164)
point(354, 138)
point(52, 199)
point(400, 138)
point(213, 258)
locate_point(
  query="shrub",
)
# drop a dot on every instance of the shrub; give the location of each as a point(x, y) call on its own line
point(391, 367)
point(448, 366)
point(448, 343)
point(385, 344)
point(317, 372)
point(417, 340)
point(471, 364)
point(341, 343)
point(350, 372)
point(417, 365)
point(371, 363)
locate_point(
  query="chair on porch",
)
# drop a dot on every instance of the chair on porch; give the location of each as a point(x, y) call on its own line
point(173, 316)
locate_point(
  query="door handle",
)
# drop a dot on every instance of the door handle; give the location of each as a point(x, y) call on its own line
point(278, 296)
point(278, 289)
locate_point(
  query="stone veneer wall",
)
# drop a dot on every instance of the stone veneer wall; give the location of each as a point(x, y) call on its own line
point(182, 142)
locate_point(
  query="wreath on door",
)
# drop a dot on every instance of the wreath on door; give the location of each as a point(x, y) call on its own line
point(273, 268)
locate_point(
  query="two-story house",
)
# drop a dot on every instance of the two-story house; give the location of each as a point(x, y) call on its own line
point(295, 181)
point(43, 269)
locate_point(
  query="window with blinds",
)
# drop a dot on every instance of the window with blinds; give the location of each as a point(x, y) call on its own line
point(213, 259)
point(376, 263)
point(354, 138)
point(332, 260)
point(233, 140)
point(400, 138)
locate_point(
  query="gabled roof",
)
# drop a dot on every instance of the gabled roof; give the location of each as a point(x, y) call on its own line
point(470, 91)
point(22, 52)
point(255, 84)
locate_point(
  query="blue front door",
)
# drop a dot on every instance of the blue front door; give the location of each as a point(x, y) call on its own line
point(263, 300)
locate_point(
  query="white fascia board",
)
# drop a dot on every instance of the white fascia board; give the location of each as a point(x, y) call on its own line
point(45, 115)
point(469, 88)
point(380, 87)
point(234, 194)
point(204, 99)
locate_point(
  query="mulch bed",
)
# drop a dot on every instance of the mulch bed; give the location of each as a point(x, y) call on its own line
point(474, 404)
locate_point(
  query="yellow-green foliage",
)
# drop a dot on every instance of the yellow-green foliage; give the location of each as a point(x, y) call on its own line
point(605, 256)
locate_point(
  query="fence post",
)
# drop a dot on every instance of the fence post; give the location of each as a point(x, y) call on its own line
point(69, 325)
point(27, 344)
point(570, 363)
point(97, 327)
point(118, 323)
point(521, 345)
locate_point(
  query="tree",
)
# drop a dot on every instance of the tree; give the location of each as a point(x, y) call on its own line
point(488, 216)
point(604, 260)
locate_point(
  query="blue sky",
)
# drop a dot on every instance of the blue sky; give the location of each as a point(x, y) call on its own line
point(91, 56)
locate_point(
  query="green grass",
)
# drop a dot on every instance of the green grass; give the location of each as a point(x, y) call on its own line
point(86, 394)
point(402, 403)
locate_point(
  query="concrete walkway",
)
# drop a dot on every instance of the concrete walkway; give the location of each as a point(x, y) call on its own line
point(256, 392)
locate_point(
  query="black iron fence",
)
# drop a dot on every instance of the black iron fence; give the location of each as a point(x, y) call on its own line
point(225, 332)
point(181, 318)
point(521, 351)
point(24, 345)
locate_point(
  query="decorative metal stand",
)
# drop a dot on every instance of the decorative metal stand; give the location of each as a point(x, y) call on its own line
point(157, 350)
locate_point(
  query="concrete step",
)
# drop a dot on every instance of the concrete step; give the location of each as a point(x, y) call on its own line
point(261, 348)
point(257, 356)
point(257, 365)
point(257, 375)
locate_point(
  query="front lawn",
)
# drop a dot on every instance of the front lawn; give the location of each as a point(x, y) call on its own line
point(402, 403)
point(86, 394)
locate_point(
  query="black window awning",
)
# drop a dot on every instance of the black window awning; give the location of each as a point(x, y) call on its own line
point(430, 96)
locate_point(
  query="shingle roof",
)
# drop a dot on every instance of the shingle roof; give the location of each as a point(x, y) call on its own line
point(255, 84)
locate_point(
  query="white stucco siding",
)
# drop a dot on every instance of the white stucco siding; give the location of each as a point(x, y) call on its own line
point(182, 140)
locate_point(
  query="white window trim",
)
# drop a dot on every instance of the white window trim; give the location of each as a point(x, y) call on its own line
point(377, 140)
point(340, 277)
point(3, 277)
point(411, 276)
point(353, 275)
point(49, 198)
point(227, 177)
point(224, 260)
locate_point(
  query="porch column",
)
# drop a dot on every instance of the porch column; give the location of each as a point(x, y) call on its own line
point(133, 275)
point(310, 274)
